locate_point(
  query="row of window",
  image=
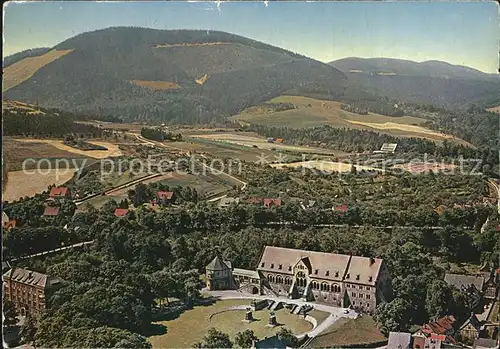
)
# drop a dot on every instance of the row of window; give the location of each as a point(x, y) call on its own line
point(325, 287)
point(361, 304)
point(279, 279)
point(360, 287)
point(361, 295)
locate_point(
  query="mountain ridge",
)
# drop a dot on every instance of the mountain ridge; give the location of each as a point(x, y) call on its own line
point(234, 75)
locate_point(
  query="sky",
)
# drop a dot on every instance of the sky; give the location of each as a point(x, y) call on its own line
point(465, 33)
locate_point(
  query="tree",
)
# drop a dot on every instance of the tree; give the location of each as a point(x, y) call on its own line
point(245, 339)
point(393, 316)
point(439, 299)
point(287, 336)
point(215, 339)
point(9, 313)
point(28, 329)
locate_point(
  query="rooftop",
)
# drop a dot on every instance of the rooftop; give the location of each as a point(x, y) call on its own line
point(29, 277)
point(328, 266)
point(460, 281)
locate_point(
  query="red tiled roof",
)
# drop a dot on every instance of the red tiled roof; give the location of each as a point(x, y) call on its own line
point(10, 224)
point(341, 208)
point(51, 211)
point(440, 326)
point(120, 212)
point(269, 202)
point(440, 337)
point(165, 195)
point(58, 191)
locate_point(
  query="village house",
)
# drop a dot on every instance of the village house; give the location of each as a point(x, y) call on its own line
point(433, 341)
point(470, 329)
point(470, 285)
point(491, 286)
point(340, 280)
point(436, 333)
point(51, 211)
point(165, 196)
point(226, 202)
point(28, 289)
point(121, 212)
point(340, 208)
point(399, 340)
point(272, 202)
point(59, 193)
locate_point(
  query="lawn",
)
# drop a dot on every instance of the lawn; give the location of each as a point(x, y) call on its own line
point(345, 331)
point(192, 325)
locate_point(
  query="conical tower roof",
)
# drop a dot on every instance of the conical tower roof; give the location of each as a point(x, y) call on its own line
point(217, 264)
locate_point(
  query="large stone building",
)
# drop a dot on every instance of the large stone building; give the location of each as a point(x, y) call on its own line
point(340, 280)
point(28, 289)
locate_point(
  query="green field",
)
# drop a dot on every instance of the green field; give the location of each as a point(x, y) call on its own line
point(192, 325)
point(311, 112)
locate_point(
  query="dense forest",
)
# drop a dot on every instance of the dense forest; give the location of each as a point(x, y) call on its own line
point(157, 134)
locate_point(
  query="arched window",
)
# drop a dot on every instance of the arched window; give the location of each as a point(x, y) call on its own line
point(314, 285)
point(288, 281)
point(325, 287)
point(279, 279)
point(301, 274)
point(335, 288)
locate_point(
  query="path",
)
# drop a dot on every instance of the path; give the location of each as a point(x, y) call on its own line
point(335, 312)
point(80, 244)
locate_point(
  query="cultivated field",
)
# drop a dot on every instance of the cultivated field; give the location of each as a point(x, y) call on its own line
point(192, 325)
point(21, 71)
point(253, 141)
point(112, 151)
point(310, 112)
point(22, 184)
point(156, 85)
point(326, 166)
point(345, 331)
point(16, 151)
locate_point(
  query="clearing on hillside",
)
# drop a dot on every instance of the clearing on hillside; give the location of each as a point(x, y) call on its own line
point(156, 85)
point(21, 71)
point(194, 45)
point(310, 112)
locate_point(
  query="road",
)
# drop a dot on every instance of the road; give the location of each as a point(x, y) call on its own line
point(80, 244)
point(496, 187)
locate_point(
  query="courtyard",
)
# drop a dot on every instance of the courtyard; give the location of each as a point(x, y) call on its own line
point(226, 315)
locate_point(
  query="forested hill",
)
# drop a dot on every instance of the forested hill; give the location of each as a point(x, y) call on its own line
point(432, 82)
point(183, 76)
